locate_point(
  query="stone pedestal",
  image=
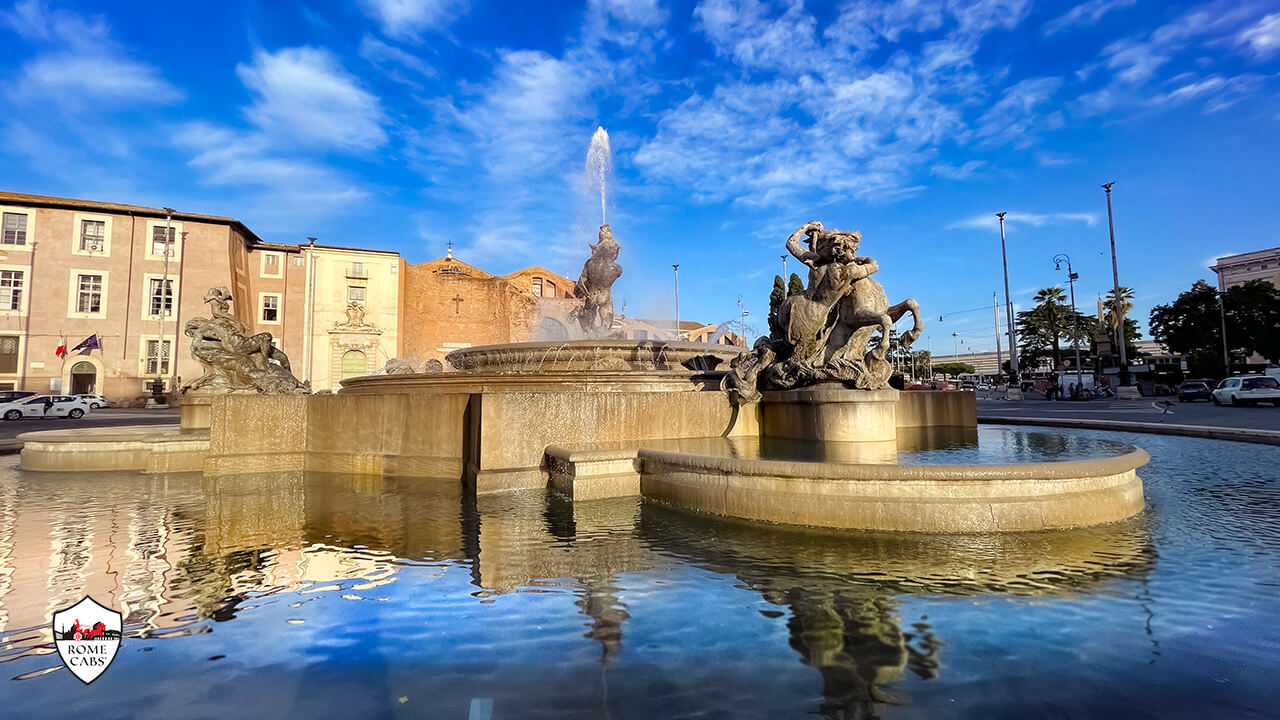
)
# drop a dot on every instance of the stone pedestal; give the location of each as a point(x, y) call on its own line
point(196, 411)
point(831, 413)
point(1013, 393)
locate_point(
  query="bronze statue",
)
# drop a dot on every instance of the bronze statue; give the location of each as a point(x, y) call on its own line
point(827, 328)
point(595, 285)
point(232, 359)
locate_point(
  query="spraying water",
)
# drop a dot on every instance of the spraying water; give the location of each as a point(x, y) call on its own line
point(599, 163)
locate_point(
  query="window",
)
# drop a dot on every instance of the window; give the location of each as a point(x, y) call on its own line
point(272, 264)
point(157, 357)
point(89, 294)
point(298, 261)
point(356, 270)
point(639, 335)
point(160, 293)
point(10, 289)
point(270, 308)
point(15, 229)
point(549, 289)
point(92, 235)
point(537, 287)
point(8, 353)
point(162, 240)
point(355, 294)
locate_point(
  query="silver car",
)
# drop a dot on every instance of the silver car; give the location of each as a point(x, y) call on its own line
point(1247, 391)
point(42, 406)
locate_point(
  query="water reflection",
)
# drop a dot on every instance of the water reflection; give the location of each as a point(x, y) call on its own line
point(180, 554)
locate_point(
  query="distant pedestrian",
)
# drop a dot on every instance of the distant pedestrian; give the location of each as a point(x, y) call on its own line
point(48, 405)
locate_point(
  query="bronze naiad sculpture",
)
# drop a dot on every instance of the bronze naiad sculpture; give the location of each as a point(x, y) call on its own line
point(232, 359)
point(594, 286)
point(826, 330)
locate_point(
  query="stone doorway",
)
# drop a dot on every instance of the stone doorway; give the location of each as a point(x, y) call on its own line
point(84, 378)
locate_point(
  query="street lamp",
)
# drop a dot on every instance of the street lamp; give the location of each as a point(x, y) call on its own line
point(1118, 302)
point(1008, 305)
point(784, 268)
point(1071, 281)
point(676, 270)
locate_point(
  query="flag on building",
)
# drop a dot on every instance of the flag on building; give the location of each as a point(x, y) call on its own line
point(62, 348)
point(88, 345)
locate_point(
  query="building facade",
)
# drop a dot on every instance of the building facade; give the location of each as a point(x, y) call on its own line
point(1236, 270)
point(129, 277)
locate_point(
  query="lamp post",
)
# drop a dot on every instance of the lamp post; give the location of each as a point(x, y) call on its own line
point(166, 297)
point(675, 269)
point(784, 268)
point(1071, 281)
point(1118, 306)
point(1012, 393)
point(955, 347)
point(995, 309)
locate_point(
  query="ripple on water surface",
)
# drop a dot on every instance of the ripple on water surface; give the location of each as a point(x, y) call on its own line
point(292, 594)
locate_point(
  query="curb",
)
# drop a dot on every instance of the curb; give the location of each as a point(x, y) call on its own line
point(1263, 437)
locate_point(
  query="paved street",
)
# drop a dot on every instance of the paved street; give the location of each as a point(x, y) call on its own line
point(1264, 417)
point(106, 417)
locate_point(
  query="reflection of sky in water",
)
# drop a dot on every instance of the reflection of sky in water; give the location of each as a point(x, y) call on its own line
point(322, 595)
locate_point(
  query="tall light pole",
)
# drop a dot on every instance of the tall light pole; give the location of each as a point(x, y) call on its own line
point(1222, 314)
point(166, 298)
point(784, 268)
point(675, 269)
point(1118, 302)
point(995, 310)
point(1008, 308)
point(955, 347)
point(1071, 281)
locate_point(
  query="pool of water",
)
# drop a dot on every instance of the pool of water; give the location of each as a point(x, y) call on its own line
point(286, 595)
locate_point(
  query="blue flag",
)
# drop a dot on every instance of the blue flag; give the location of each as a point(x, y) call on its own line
point(88, 345)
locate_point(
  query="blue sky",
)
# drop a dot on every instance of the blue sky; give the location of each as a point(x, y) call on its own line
point(403, 124)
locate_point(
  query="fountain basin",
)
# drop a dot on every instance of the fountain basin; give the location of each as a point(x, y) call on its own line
point(679, 358)
point(923, 498)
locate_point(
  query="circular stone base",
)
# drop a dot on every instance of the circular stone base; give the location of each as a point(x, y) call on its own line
point(830, 413)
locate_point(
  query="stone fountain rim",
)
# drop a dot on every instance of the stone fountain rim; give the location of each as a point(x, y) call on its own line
point(840, 472)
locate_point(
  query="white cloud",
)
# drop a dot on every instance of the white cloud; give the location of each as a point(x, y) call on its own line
point(79, 63)
point(1084, 14)
point(408, 19)
point(1048, 158)
point(1014, 219)
point(302, 96)
point(1264, 37)
point(382, 54)
point(951, 172)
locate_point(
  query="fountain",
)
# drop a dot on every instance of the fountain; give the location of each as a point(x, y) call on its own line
point(803, 429)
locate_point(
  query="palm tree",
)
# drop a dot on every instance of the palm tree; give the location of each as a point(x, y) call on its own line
point(1051, 314)
point(1111, 320)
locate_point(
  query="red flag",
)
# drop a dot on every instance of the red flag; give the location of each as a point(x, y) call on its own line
point(62, 349)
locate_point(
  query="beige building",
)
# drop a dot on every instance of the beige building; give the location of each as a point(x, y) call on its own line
point(1236, 270)
point(132, 276)
point(353, 314)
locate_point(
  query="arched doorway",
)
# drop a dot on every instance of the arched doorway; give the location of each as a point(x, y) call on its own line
point(551, 329)
point(354, 364)
point(84, 378)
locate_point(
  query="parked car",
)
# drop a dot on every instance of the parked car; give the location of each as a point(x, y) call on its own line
point(1249, 390)
point(12, 395)
point(95, 401)
point(39, 406)
point(1193, 390)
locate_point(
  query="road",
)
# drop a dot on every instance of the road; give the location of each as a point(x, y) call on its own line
point(105, 417)
point(1265, 417)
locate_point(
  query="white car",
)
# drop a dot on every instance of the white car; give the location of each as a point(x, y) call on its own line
point(95, 401)
point(40, 406)
point(1247, 391)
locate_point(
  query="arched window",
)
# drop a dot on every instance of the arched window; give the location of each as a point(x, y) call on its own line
point(354, 364)
point(551, 329)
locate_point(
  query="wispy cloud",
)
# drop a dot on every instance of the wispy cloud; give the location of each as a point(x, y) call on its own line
point(1263, 39)
point(1014, 219)
point(79, 64)
point(409, 19)
point(1083, 15)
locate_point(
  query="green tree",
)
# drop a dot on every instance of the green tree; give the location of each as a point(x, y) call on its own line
point(1191, 326)
point(776, 297)
point(953, 368)
point(920, 360)
point(1108, 321)
point(1049, 313)
point(1254, 309)
point(796, 286)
